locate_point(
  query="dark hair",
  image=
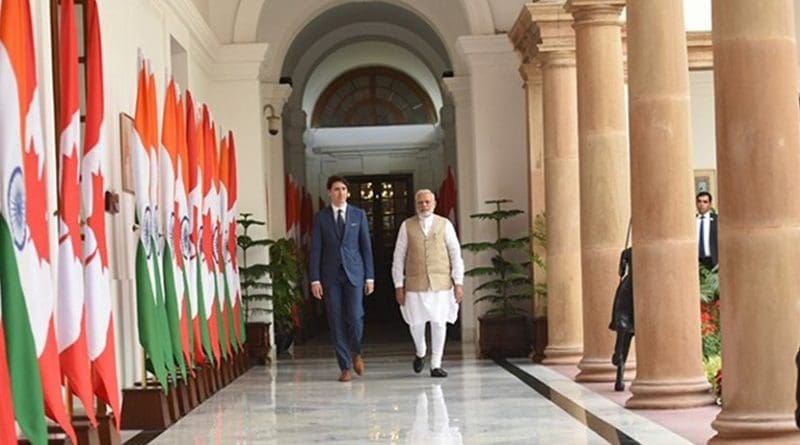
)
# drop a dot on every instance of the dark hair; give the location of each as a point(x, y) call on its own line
point(704, 193)
point(336, 178)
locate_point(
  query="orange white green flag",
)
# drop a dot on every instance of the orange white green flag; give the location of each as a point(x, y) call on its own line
point(25, 270)
point(182, 231)
point(146, 302)
point(173, 275)
point(157, 223)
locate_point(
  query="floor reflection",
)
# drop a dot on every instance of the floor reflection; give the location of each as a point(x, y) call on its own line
point(431, 420)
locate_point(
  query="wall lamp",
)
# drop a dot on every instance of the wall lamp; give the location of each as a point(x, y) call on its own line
point(273, 120)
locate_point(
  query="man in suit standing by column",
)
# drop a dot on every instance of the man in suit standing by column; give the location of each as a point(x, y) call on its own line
point(342, 272)
point(707, 253)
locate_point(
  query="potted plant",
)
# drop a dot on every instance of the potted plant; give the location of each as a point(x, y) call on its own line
point(253, 287)
point(285, 269)
point(507, 283)
point(538, 250)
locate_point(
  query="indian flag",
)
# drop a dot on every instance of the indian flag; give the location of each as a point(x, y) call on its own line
point(8, 431)
point(157, 234)
point(146, 303)
point(173, 275)
point(25, 271)
point(182, 231)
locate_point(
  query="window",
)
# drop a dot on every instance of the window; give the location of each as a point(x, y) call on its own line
point(373, 96)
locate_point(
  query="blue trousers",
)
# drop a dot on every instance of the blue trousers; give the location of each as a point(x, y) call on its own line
point(344, 304)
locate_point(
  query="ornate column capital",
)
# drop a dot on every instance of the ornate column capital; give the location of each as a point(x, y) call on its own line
point(275, 94)
point(531, 72)
point(459, 89)
point(595, 12)
point(543, 28)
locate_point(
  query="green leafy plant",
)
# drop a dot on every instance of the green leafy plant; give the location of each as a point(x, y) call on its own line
point(507, 282)
point(285, 269)
point(711, 329)
point(539, 244)
point(252, 276)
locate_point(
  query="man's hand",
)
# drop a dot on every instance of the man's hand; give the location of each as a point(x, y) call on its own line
point(400, 295)
point(369, 287)
point(316, 290)
point(458, 292)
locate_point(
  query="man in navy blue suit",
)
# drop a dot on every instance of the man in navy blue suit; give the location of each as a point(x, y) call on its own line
point(341, 273)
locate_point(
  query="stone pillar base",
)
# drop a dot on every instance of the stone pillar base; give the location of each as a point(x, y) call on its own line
point(601, 370)
point(747, 429)
point(669, 395)
point(562, 355)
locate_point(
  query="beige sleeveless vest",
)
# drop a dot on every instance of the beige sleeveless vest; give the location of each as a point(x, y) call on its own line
point(427, 261)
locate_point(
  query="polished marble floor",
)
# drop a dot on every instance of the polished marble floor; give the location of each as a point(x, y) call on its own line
point(299, 401)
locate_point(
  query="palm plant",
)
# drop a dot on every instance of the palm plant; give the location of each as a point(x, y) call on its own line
point(252, 276)
point(507, 282)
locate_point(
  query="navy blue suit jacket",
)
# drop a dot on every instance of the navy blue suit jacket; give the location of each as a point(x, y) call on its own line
point(353, 252)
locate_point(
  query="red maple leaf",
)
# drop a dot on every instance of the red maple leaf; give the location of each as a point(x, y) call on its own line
point(177, 236)
point(69, 205)
point(97, 220)
point(207, 242)
point(36, 203)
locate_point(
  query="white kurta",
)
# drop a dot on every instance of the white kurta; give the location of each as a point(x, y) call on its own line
point(433, 306)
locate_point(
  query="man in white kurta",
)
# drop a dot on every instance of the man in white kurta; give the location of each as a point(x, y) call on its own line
point(428, 275)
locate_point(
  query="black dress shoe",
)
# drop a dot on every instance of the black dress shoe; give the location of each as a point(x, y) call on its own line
point(438, 372)
point(419, 363)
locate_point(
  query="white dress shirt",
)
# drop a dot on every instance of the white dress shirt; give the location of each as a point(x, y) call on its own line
point(335, 210)
point(706, 218)
point(450, 239)
point(435, 306)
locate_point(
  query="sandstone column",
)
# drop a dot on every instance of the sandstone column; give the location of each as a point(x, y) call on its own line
point(562, 189)
point(524, 34)
point(532, 75)
point(669, 371)
point(758, 158)
point(604, 189)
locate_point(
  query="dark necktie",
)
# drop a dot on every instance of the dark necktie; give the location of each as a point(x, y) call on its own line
point(702, 239)
point(340, 222)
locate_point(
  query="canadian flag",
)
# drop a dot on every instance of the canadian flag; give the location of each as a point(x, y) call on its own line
point(195, 269)
point(100, 323)
point(446, 205)
point(233, 198)
point(223, 274)
point(71, 314)
point(208, 237)
point(25, 269)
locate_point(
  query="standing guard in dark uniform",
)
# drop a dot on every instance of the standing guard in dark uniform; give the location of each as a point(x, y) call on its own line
point(622, 316)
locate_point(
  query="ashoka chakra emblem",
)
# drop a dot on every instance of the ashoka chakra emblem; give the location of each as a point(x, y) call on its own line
point(16, 211)
point(147, 230)
point(186, 241)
